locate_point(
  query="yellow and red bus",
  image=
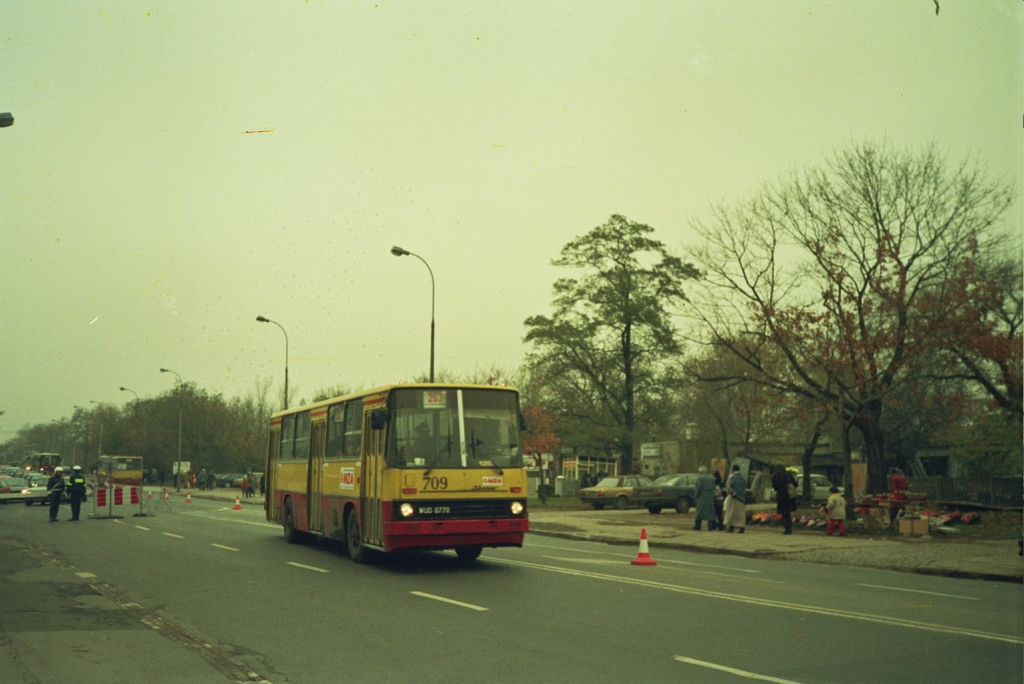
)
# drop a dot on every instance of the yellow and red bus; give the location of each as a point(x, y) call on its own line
point(120, 470)
point(413, 466)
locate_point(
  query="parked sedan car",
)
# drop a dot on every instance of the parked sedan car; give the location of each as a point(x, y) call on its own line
point(230, 480)
point(619, 492)
point(672, 491)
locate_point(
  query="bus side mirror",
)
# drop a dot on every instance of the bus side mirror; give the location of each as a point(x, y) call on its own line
point(378, 419)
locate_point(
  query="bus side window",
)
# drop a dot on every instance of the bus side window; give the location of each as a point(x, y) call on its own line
point(353, 428)
point(301, 436)
point(287, 437)
point(336, 431)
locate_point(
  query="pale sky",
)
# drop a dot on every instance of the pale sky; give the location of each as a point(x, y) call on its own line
point(142, 228)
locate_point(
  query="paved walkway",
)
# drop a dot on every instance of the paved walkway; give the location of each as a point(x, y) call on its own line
point(991, 560)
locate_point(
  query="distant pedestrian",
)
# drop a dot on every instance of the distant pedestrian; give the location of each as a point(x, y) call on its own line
point(898, 487)
point(784, 485)
point(201, 479)
point(736, 501)
point(244, 484)
point(719, 499)
point(211, 480)
point(836, 509)
point(704, 493)
point(76, 491)
point(55, 489)
point(263, 483)
point(251, 484)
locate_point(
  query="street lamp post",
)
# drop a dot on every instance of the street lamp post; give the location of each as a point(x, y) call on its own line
point(398, 251)
point(264, 319)
point(125, 389)
point(177, 476)
point(99, 419)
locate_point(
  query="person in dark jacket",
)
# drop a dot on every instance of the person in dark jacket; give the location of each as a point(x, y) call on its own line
point(782, 480)
point(76, 491)
point(55, 489)
point(704, 493)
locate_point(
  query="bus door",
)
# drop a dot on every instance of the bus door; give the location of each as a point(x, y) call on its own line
point(270, 472)
point(315, 475)
point(372, 483)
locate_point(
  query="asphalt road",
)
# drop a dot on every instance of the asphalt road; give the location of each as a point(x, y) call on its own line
point(207, 593)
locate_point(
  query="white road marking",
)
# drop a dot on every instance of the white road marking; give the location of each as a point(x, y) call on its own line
point(176, 536)
point(119, 522)
point(447, 600)
point(919, 591)
point(622, 555)
point(306, 567)
point(700, 572)
point(732, 670)
point(86, 575)
point(221, 546)
point(232, 519)
point(140, 527)
point(770, 603)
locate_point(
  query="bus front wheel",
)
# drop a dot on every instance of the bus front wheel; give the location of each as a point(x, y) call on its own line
point(291, 535)
point(468, 553)
point(356, 550)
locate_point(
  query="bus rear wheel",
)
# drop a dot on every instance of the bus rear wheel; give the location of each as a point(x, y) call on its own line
point(354, 539)
point(468, 553)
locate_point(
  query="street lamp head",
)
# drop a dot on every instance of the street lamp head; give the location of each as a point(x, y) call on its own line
point(6, 119)
point(164, 370)
point(263, 319)
point(124, 389)
point(398, 251)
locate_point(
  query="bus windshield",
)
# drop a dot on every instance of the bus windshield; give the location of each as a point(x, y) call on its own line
point(453, 428)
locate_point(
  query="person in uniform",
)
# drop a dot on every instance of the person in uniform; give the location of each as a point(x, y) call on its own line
point(55, 489)
point(76, 490)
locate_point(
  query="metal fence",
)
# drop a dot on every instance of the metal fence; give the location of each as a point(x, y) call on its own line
point(987, 491)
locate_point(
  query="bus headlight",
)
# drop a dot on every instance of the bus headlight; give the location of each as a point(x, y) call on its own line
point(406, 510)
point(517, 507)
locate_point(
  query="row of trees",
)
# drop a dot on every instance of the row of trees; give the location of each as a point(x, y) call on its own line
point(874, 295)
point(225, 435)
point(873, 300)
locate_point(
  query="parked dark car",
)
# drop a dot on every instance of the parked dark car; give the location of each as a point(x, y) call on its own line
point(676, 491)
point(228, 481)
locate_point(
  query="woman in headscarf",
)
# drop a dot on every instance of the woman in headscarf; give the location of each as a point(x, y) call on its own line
point(736, 501)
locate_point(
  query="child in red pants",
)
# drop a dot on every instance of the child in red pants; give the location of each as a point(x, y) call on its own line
point(836, 508)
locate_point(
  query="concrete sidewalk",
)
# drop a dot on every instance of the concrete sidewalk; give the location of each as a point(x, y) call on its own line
point(990, 560)
point(995, 560)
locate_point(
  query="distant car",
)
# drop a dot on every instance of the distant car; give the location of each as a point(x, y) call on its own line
point(229, 481)
point(12, 489)
point(35, 492)
point(619, 492)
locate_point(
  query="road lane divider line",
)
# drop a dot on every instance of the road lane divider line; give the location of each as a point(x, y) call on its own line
point(447, 600)
point(140, 527)
point(919, 591)
point(85, 575)
point(233, 520)
point(771, 603)
point(221, 546)
point(176, 536)
point(305, 567)
point(733, 670)
point(622, 555)
point(698, 572)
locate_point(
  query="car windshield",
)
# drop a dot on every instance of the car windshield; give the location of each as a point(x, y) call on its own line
point(608, 482)
point(454, 428)
point(15, 482)
point(672, 480)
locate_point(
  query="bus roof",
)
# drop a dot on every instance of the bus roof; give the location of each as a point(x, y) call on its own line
point(388, 388)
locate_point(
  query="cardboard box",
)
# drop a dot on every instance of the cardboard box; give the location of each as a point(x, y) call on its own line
point(913, 525)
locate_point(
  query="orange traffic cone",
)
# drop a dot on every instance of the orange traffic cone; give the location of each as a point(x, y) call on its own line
point(167, 497)
point(643, 558)
point(238, 503)
point(188, 498)
point(149, 495)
